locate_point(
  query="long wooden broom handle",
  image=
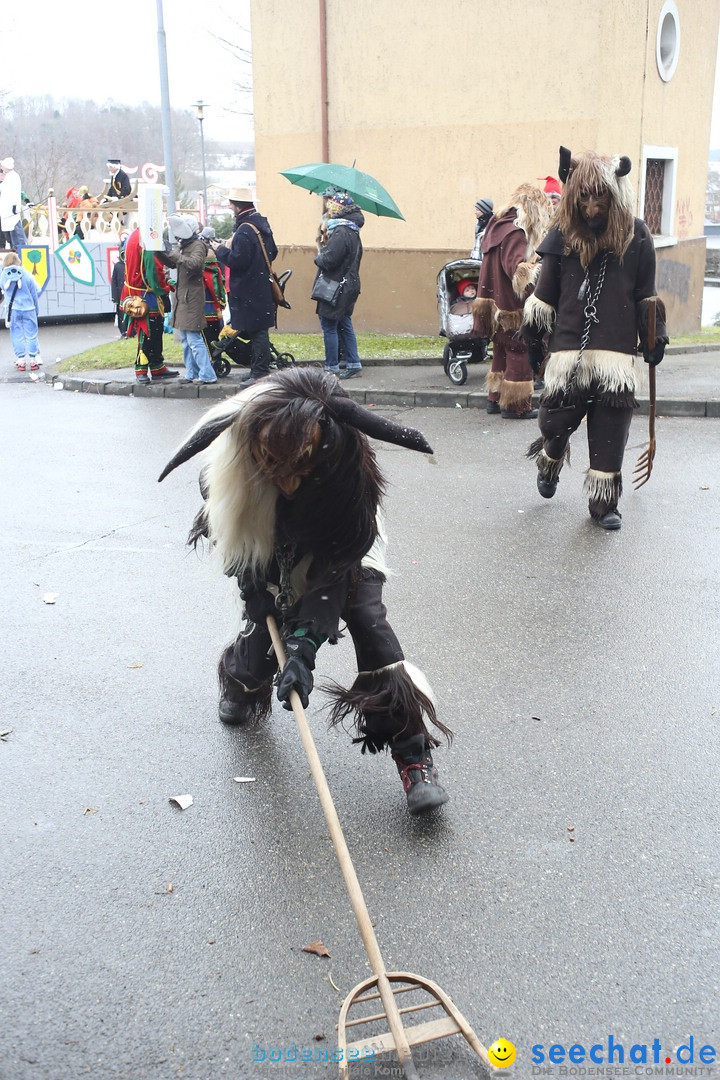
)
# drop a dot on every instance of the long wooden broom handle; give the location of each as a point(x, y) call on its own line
point(347, 869)
point(651, 342)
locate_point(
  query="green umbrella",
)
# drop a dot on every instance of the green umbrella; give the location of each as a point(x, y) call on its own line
point(365, 190)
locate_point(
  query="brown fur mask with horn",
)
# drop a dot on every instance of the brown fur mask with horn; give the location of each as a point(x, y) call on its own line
point(291, 453)
point(595, 212)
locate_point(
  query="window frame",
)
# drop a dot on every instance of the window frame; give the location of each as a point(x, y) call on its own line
point(668, 154)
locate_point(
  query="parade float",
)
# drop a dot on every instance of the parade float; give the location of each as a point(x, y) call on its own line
point(71, 249)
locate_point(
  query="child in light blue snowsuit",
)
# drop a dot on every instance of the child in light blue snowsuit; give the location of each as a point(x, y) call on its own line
point(21, 312)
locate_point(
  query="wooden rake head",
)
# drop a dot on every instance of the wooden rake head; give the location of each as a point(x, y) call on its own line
point(452, 1022)
point(644, 464)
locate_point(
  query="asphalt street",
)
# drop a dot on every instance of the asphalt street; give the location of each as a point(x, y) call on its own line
point(567, 894)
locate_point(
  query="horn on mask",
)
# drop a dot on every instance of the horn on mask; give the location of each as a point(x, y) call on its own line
point(624, 166)
point(199, 440)
point(356, 415)
point(565, 164)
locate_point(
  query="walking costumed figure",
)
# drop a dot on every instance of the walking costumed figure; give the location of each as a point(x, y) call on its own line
point(593, 295)
point(292, 492)
point(145, 299)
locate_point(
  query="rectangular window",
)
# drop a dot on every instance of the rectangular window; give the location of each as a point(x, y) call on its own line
point(657, 193)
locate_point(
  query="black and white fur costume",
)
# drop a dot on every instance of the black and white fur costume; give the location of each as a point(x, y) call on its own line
point(322, 550)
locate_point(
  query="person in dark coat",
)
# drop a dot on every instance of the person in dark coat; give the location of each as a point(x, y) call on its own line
point(252, 308)
point(188, 317)
point(119, 186)
point(116, 287)
point(593, 297)
point(339, 260)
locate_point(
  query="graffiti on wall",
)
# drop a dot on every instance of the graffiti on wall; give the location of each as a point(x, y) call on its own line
point(684, 218)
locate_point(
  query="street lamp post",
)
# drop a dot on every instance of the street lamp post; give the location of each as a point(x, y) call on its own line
point(199, 107)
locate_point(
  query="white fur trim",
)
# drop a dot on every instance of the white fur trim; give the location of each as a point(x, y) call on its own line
point(375, 558)
point(416, 676)
point(615, 372)
point(538, 313)
point(601, 487)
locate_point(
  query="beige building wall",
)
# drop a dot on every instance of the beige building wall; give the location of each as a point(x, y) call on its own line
point(443, 103)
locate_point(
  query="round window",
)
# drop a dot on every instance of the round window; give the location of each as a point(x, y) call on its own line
point(667, 48)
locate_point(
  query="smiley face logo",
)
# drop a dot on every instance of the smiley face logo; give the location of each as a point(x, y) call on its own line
point(501, 1053)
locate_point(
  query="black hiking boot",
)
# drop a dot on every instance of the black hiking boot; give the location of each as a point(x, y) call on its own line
point(610, 520)
point(418, 774)
point(236, 712)
point(547, 488)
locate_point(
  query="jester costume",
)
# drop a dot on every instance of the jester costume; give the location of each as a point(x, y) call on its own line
point(292, 494)
point(145, 280)
point(597, 278)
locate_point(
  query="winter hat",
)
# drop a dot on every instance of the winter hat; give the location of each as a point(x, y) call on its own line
point(7, 164)
point(552, 186)
point(462, 285)
point(485, 206)
point(9, 276)
point(208, 233)
point(183, 226)
point(338, 203)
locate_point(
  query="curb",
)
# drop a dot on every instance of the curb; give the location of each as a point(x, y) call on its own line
point(409, 399)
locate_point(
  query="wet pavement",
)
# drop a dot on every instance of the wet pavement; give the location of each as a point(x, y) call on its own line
point(566, 895)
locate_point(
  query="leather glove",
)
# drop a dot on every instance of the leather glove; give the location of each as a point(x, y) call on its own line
point(654, 356)
point(536, 355)
point(259, 603)
point(297, 672)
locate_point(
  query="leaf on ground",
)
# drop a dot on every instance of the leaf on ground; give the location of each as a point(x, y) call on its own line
point(317, 948)
point(90, 810)
point(5, 732)
point(183, 801)
point(244, 779)
point(135, 665)
point(50, 597)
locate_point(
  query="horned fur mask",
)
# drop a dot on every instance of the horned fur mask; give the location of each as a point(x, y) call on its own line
point(296, 434)
point(592, 177)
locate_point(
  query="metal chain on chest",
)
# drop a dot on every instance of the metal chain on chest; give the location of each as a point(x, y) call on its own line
point(590, 311)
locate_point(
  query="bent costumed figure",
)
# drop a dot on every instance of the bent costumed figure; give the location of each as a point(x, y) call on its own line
point(292, 493)
point(507, 274)
point(145, 281)
point(597, 276)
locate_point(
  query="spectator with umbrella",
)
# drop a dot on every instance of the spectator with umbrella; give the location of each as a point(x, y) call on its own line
point(337, 283)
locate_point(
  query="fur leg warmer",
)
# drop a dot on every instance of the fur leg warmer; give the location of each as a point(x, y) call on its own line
point(549, 468)
point(603, 490)
point(390, 703)
point(494, 383)
point(516, 396)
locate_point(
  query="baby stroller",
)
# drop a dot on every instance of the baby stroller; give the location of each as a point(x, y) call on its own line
point(235, 347)
point(456, 321)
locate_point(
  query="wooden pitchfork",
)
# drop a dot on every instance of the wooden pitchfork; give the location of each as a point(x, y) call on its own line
point(397, 1038)
point(643, 468)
